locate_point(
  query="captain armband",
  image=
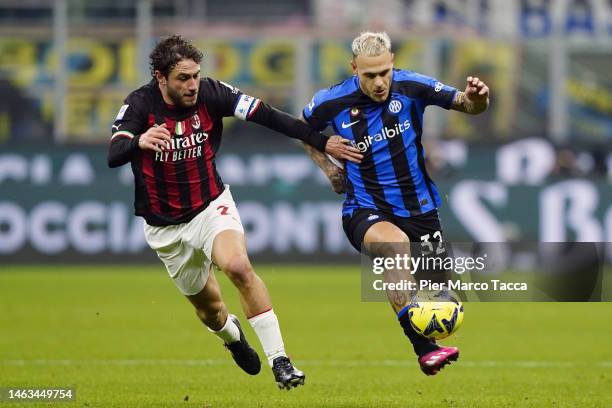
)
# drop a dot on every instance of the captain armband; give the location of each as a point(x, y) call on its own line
point(246, 107)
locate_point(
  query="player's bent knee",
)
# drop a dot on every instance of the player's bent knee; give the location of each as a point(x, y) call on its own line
point(390, 248)
point(385, 239)
point(395, 237)
point(239, 270)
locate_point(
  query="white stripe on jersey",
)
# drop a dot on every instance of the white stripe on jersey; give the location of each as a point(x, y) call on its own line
point(122, 133)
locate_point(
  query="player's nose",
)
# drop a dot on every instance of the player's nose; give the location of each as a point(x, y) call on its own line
point(192, 85)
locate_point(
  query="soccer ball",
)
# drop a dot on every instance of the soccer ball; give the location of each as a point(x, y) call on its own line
point(436, 315)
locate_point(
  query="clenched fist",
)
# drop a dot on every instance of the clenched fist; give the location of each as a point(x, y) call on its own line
point(156, 138)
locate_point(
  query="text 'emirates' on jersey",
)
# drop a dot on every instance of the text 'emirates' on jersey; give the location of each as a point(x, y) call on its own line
point(174, 185)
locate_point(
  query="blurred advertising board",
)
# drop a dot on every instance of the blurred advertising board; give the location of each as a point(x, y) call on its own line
point(102, 71)
point(62, 204)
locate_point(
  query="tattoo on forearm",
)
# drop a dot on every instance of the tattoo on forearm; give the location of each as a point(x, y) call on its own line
point(462, 103)
point(315, 155)
point(399, 299)
point(458, 101)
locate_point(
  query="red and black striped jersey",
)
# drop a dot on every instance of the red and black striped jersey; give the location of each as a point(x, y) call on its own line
point(174, 185)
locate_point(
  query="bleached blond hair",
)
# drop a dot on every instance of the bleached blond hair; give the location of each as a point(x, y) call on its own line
point(371, 44)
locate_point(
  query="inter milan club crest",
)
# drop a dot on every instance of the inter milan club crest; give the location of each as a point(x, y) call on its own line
point(195, 121)
point(180, 128)
point(395, 106)
point(354, 112)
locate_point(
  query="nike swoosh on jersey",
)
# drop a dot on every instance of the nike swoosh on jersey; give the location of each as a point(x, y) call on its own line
point(348, 125)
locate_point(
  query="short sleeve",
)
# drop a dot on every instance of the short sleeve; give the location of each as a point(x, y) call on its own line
point(436, 93)
point(428, 90)
point(314, 114)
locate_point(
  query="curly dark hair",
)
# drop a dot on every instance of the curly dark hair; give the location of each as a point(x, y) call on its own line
point(169, 52)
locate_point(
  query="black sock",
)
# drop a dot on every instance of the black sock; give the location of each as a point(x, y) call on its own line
point(420, 344)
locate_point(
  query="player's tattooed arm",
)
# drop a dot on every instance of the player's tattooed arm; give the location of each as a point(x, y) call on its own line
point(400, 300)
point(475, 98)
point(334, 173)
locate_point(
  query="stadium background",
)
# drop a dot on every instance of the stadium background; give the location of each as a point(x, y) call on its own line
point(536, 167)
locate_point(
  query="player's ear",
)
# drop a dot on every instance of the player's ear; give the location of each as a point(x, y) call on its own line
point(392, 58)
point(354, 66)
point(160, 78)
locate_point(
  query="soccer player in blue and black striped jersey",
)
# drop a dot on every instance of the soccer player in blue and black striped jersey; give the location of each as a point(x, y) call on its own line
point(389, 197)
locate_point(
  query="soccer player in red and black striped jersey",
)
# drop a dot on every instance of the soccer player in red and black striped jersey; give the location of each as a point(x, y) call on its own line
point(169, 131)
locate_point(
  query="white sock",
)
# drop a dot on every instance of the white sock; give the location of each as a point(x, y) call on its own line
point(229, 333)
point(267, 329)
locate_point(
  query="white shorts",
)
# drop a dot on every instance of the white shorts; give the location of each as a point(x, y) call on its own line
point(186, 249)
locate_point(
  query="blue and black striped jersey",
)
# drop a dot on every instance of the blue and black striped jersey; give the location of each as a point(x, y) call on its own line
point(392, 176)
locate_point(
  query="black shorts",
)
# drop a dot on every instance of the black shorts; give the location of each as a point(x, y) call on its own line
point(424, 227)
point(424, 232)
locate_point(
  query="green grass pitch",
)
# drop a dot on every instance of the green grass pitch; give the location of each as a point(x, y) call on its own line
point(125, 337)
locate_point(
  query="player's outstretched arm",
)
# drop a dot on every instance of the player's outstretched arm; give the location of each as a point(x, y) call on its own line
point(282, 122)
point(475, 98)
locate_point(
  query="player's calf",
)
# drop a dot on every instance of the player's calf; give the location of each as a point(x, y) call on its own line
point(213, 317)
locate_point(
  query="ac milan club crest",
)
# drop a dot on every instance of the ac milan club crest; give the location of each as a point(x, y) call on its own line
point(195, 121)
